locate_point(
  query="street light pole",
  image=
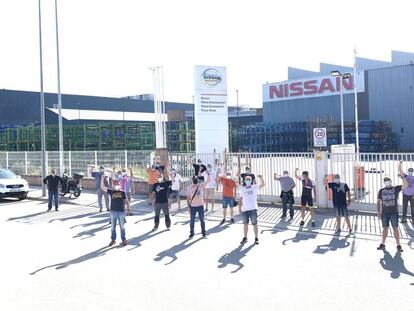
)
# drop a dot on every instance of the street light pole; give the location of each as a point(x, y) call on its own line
point(356, 105)
point(42, 106)
point(61, 164)
point(342, 109)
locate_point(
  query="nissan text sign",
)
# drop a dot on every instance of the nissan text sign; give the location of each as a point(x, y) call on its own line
point(313, 87)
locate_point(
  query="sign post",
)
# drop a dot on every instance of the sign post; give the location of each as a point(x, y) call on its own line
point(210, 109)
point(319, 137)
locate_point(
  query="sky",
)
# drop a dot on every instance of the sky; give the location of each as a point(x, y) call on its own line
point(107, 46)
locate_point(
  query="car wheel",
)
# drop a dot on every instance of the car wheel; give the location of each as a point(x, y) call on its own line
point(23, 197)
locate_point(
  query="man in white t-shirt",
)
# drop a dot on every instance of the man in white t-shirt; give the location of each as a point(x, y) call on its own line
point(248, 206)
point(175, 188)
point(209, 189)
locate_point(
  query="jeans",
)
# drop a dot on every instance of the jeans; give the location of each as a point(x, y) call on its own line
point(200, 211)
point(101, 194)
point(286, 199)
point(165, 210)
point(406, 199)
point(53, 196)
point(228, 202)
point(117, 217)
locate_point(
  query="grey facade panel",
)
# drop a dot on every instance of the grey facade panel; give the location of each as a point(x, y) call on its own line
point(391, 98)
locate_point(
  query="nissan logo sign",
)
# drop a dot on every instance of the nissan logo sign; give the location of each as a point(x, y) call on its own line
point(211, 77)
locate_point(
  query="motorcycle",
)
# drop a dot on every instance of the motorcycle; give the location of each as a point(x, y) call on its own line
point(71, 185)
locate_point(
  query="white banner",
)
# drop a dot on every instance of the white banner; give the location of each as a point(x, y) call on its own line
point(312, 87)
point(210, 109)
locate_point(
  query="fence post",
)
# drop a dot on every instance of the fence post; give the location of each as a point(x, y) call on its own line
point(96, 159)
point(7, 160)
point(126, 158)
point(25, 163)
point(321, 170)
point(70, 162)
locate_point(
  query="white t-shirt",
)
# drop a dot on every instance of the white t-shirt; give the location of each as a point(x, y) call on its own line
point(249, 196)
point(212, 183)
point(176, 184)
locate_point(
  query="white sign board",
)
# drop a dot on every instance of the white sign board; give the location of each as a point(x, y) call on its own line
point(210, 109)
point(319, 137)
point(312, 87)
point(343, 152)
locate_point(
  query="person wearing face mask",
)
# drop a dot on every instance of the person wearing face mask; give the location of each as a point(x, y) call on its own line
point(195, 196)
point(209, 189)
point(175, 188)
point(229, 195)
point(117, 213)
point(247, 173)
point(98, 176)
point(52, 181)
point(287, 184)
point(308, 187)
point(248, 206)
point(199, 169)
point(340, 192)
point(387, 211)
point(161, 190)
point(408, 192)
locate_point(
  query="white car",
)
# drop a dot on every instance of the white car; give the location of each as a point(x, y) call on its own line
point(12, 185)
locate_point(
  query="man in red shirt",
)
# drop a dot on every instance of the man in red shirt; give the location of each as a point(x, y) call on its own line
point(229, 195)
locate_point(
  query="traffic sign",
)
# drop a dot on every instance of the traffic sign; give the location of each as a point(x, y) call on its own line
point(319, 137)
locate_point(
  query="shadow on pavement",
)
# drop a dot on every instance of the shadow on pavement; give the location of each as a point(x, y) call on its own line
point(137, 240)
point(394, 264)
point(234, 258)
point(99, 252)
point(173, 251)
point(217, 229)
point(92, 232)
point(183, 223)
point(26, 216)
point(79, 216)
point(98, 222)
point(145, 219)
point(410, 233)
point(335, 244)
point(280, 226)
point(301, 236)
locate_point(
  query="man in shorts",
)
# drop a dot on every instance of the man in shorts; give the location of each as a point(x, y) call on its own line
point(308, 187)
point(340, 192)
point(229, 195)
point(209, 189)
point(248, 206)
point(387, 211)
point(175, 188)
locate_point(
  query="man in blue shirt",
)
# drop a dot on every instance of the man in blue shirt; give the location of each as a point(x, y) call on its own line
point(107, 182)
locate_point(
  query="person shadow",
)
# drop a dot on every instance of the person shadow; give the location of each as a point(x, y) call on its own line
point(410, 233)
point(173, 251)
point(144, 219)
point(136, 242)
point(234, 258)
point(395, 265)
point(97, 253)
point(335, 244)
point(91, 232)
point(217, 229)
point(301, 236)
point(183, 223)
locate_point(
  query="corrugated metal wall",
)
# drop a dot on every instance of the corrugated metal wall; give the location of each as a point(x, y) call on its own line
point(391, 98)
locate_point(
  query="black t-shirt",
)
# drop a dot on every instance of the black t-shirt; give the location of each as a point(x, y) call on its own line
point(161, 191)
point(307, 187)
point(52, 182)
point(199, 168)
point(244, 175)
point(117, 200)
point(339, 193)
point(389, 198)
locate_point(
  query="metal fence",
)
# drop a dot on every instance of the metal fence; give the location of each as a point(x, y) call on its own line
point(364, 173)
point(29, 163)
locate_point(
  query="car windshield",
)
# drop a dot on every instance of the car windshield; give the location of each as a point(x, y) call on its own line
point(6, 174)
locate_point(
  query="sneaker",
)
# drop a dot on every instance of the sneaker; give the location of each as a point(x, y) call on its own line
point(244, 241)
point(204, 235)
point(222, 222)
point(256, 241)
point(191, 236)
point(381, 247)
point(283, 217)
point(112, 243)
point(232, 220)
point(125, 220)
point(107, 209)
point(168, 229)
point(206, 210)
point(338, 232)
point(56, 210)
point(399, 249)
point(350, 231)
point(155, 228)
point(48, 210)
point(313, 223)
point(301, 223)
point(124, 243)
point(403, 220)
point(100, 210)
point(291, 219)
